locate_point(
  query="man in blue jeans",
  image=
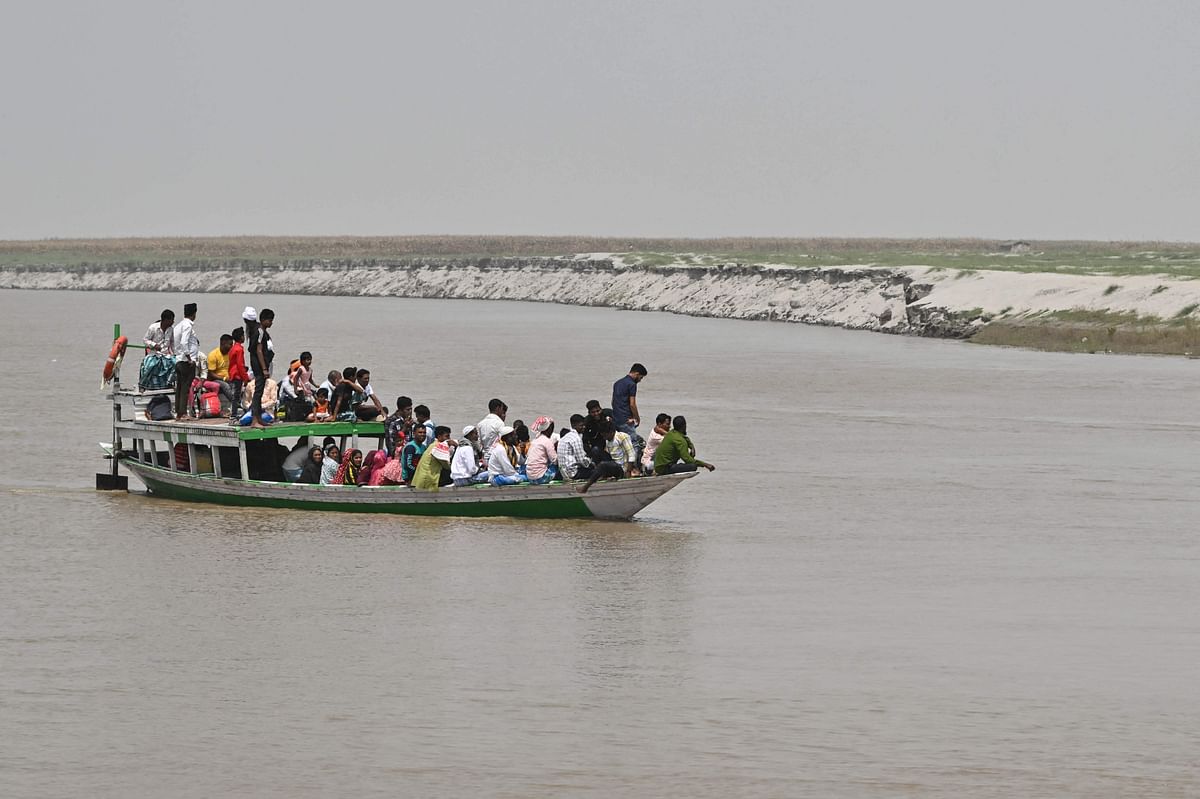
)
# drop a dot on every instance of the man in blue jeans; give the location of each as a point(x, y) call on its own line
point(624, 400)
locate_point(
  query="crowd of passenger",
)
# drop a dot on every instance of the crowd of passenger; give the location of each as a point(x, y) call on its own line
point(602, 443)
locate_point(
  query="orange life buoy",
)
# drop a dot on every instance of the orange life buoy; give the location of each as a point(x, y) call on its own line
point(114, 357)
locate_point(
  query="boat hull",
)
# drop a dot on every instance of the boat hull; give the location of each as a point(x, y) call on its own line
point(619, 499)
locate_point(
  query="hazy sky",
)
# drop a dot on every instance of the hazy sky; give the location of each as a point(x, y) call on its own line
point(1072, 119)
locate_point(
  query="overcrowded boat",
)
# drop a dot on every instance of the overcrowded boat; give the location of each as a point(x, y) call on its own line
point(213, 461)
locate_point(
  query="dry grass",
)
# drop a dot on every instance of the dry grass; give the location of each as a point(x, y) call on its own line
point(398, 246)
point(70, 251)
point(1129, 335)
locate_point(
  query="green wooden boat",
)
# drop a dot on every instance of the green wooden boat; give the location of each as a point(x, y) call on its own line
point(214, 458)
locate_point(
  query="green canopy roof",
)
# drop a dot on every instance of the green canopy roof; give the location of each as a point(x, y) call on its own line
point(319, 429)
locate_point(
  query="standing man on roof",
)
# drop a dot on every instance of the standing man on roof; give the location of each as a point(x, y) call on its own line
point(186, 347)
point(624, 400)
point(238, 376)
point(261, 355)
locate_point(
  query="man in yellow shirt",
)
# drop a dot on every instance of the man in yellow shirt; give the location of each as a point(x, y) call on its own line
point(218, 366)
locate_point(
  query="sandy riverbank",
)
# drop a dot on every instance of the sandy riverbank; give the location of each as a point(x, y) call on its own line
point(914, 300)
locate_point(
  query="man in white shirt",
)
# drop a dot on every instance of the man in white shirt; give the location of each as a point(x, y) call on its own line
point(330, 383)
point(501, 469)
point(158, 337)
point(186, 347)
point(489, 426)
point(464, 466)
point(363, 412)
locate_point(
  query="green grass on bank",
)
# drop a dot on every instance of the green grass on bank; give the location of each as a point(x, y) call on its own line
point(1176, 264)
point(1096, 331)
point(1181, 261)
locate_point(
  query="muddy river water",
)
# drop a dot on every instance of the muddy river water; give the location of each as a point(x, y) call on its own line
point(922, 568)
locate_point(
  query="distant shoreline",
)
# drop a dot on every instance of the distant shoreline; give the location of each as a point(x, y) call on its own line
point(1065, 296)
point(816, 249)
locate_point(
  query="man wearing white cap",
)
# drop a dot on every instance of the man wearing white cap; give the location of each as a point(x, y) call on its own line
point(502, 459)
point(464, 467)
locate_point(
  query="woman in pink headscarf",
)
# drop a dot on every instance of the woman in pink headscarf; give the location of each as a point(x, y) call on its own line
point(541, 462)
point(391, 473)
point(372, 470)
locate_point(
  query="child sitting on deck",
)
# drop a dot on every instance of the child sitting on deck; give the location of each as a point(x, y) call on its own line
point(320, 411)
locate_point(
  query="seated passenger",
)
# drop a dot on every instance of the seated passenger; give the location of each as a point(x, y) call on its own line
point(368, 407)
point(391, 473)
point(270, 396)
point(541, 461)
point(573, 460)
point(489, 426)
point(158, 337)
point(372, 470)
point(329, 468)
point(465, 468)
point(293, 464)
point(320, 411)
point(311, 473)
point(617, 459)
point(292, 394)
point(674, 454)
point(662, 425)
point(523, 438)
point(343, 397)
point(410, 457)
point(397, 426)
point(619, 446)
point(287, 386)
point(218, 367)
point(593, 433)
point(421, 412)
point(348, 469)
point(331, 382)
point(434, 462)
point(502, 459)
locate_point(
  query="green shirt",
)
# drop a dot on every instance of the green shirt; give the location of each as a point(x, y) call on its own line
point(674, 447)
point(428, 473)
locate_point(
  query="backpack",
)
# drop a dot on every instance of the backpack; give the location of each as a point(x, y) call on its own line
point(159, 409)
point(210, 405)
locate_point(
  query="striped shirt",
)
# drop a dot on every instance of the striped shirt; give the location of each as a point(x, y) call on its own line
point(571, 455)
point(621, 448)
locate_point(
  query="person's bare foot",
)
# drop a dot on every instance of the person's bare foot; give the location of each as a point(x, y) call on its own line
point(257, 425)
